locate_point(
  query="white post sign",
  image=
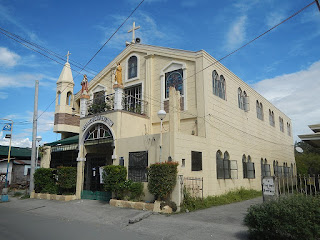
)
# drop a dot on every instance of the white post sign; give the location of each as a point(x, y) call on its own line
point(268, 186)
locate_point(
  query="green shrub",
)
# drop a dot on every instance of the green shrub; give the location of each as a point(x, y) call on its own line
point(290, 218)
point(67, 180)
point(171, 204)
point(114, 179)
point(191, 203)
point(136, 191)
point(44, 181)
point(162, 179)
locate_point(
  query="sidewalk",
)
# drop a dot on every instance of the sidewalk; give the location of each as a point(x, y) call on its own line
point(222, 222)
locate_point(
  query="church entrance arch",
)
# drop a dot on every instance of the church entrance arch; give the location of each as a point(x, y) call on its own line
point(98, 142)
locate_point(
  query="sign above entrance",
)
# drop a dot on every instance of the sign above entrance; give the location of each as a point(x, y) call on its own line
point(98, 118)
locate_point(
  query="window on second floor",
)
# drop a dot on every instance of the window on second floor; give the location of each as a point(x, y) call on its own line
point(281, 124)
point(271, 118)
point(219, 85)
point(259, 107)
point(132, 67)
point(174, 79)
point(240, 99)
point(289, 129)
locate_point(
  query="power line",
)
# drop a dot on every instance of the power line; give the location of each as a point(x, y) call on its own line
point(95, 54)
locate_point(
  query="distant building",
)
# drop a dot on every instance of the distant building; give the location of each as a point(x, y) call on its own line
point(314, 138)
point(19, 166)
point(223, 134)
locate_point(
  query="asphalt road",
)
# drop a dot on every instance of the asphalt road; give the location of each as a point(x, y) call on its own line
point(18, 225)
point(87, 219)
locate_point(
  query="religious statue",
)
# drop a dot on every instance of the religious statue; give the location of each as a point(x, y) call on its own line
point(84, 84)
point(118, 75)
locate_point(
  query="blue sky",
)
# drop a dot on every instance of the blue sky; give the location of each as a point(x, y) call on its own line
point(284, 65)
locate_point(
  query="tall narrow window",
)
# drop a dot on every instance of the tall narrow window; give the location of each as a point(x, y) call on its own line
point(271, 118)
point(58, 98)
point(219, 162)
point(259, 108)
point(281, 124)
point(219, 85)
point(244, 166)
point(196, 161)
point(289, 129)
point(251, 173)
point(226, 165)
point(240, 99)
point(174, 79)
point(132, 99)
point(215, 82)
point(69, 98)
point(132, 67)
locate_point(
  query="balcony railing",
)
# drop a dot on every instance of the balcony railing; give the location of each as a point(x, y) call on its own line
point(107, 103)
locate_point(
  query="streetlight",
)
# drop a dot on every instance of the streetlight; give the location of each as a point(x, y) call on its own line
point(38, 139)
point(161, 114)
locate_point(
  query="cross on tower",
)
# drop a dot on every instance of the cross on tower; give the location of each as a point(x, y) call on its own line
point(68, 54)
point(132, 30)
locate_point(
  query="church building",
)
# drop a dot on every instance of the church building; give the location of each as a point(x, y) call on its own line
point(153, 104)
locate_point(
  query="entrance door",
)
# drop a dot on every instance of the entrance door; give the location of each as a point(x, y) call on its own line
point(93, 182)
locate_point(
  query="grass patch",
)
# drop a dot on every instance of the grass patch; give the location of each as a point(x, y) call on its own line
point(17, 194)
point(26, 196)
point(193, 203)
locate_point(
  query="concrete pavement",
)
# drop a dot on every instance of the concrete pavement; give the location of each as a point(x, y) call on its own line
point(222, 222)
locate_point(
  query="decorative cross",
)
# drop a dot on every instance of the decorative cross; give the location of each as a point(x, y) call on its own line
point(132, 30)
point(68, 56)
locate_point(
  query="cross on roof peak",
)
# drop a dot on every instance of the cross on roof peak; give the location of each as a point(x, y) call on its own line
point(68, 54)
point(132, 30)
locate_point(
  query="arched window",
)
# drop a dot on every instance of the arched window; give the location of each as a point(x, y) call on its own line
point(174, 79)
point(263, 173)
point(259, 108)
point(215, 82)
point(132, 67)
point(69, 98)
point(219, 164)
point(271, 118)
point(240, 99)
point(289, 129)
point(261, 111)
point(281, 124)
point(222, 89)
point(58, 98)
point(98, 131)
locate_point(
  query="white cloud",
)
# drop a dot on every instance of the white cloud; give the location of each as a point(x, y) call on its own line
point(274, 18)
point(297, 95)
point(8, 58)
point(22, 80)
point(16, 142)
point(237, 32)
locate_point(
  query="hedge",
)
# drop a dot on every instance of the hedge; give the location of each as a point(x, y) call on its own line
point(67, 179)
point(44, 181)
point(291, 218)
point(162, 179)
point(114, 179)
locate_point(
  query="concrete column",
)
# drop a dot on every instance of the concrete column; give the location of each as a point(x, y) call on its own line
point(83, 105)
point(200, 98)
point(174, 118)
point(46, 157)
point(148, 88)
point(118, 95)
point(80, 171)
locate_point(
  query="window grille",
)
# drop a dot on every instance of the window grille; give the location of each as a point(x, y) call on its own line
point(133, 99)
point(138, 164)
point(196, 161)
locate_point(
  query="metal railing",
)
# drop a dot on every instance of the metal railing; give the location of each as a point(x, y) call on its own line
point(106, 103)
point(302, 184)
point(194, 186)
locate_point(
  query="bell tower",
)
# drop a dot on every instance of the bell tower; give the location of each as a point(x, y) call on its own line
point(65, 122)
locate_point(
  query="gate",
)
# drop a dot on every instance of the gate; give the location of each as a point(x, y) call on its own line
point(193, 185)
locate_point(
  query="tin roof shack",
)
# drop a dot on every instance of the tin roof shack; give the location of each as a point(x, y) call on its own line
point(19, 167)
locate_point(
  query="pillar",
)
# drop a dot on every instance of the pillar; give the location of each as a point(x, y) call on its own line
point(80, 171)
point(118, 96)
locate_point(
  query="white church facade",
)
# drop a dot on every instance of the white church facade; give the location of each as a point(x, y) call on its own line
point(216, 126)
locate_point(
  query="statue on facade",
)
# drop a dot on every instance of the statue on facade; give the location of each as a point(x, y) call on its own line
point(84, 85)
point(118, 75)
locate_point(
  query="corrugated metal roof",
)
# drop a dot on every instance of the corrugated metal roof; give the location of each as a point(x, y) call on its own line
point(15, 151)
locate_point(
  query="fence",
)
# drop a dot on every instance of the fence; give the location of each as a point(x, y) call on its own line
point(193, 185)
point(302, 184)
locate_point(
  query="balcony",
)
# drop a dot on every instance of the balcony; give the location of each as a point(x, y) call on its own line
point(108, 103)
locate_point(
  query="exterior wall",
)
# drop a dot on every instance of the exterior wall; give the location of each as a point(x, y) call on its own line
point(3, 169)
point(46, 157)
point(207, 124)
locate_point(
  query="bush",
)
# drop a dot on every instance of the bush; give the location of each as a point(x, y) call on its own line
point(290, 218)
point(67, 179)
point(114, 179)
point(162, 179)
point(44, 181)
point(136, 191)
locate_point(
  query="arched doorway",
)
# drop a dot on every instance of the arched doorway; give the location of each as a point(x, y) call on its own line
point(99, 145)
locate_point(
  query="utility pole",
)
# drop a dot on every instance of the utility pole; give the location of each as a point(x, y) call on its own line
point(34, 137)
